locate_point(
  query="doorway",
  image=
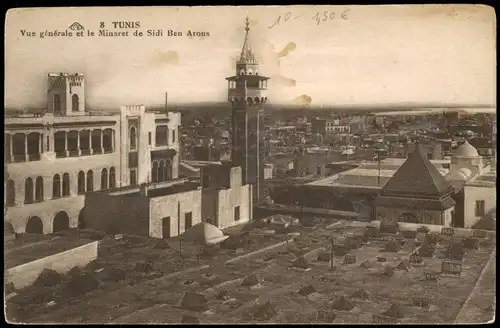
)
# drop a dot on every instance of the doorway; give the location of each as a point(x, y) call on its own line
point(166, 227)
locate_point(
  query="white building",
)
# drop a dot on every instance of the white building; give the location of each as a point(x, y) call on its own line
point(57, 155)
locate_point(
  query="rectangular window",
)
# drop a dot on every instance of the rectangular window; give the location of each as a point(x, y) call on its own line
point(149, 138)
point(173, 135)
point(480, 208)
point(236, 213)
point(133, 177)
point(188, 220)
point(206, 181)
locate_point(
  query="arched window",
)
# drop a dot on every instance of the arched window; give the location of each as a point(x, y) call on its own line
point(81, 182)
point(74, 103)
point(57, 103)
point(90, 180)
point(39, 189)
point(112, 178)
point(133, 138)
point(66, 188)
point(154, 172)
point(161, 135)
point(168, 170)
point(161, 171)
point(10, 193)
point(28, 191)
point(104, 179)
point(56, 186)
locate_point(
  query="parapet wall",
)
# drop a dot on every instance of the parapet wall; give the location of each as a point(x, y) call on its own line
point(437, 228)
point(25, 274)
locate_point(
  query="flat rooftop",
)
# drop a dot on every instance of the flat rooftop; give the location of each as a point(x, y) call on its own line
point(484, 180)
point(365, 176)
point(132, 190)
point(19, 252)
point(160, 189)
point(203, 163)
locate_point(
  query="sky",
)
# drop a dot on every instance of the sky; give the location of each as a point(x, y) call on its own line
point(369, 55)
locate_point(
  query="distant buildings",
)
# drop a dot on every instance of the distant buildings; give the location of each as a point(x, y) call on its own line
point(417, 189)
point(328, 126)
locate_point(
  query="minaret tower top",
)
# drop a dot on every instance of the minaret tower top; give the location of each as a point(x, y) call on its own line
point(247, 85)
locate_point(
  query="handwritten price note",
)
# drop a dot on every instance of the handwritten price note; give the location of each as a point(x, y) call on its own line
point(318, 17)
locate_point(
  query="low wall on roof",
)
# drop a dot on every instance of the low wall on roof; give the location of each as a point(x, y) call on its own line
point(437, 228)
point(262, 211)
point(25, 274)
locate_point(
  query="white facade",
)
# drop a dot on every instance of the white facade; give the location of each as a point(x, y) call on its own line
point(479, 199)
point(172, 210)
point(56, 156)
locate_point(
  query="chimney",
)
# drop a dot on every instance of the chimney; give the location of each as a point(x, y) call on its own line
point(166, 102)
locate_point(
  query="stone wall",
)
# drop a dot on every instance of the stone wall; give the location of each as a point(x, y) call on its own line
point(393, 215)
point(118, 213)
point(25, 274)
point(473, 194)
point(228, 199)
point(172, 206)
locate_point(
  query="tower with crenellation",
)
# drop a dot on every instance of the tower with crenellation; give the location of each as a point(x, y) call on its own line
point(66, 94)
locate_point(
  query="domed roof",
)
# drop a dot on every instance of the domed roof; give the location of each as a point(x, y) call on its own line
point(466, 150)
point(463, 174)
point(204, 233)
point(465, 171)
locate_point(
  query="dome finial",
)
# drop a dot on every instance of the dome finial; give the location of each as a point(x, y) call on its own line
point(247, 25)
point(246, 52)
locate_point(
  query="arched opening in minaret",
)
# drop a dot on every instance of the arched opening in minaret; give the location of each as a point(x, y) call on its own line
point(75, 103)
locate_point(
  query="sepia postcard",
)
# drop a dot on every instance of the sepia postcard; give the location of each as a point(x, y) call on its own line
point(247, 165)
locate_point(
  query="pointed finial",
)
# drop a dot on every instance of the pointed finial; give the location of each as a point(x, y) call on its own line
point(247, 25)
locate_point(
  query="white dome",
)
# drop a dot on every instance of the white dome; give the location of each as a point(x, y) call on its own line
point(443, 171)
point(204, 233)
point(457, 175)
point(466, 150)
point(466, 172)
point(463, 174)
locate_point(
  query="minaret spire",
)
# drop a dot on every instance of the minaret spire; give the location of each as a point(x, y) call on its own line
point(246, 51)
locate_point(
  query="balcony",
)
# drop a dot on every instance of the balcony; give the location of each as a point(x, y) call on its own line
point(33, 157)
point(20, 158)
point(86, 152)
point(82, 152)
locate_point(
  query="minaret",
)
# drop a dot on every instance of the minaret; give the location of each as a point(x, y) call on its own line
point(246, 93)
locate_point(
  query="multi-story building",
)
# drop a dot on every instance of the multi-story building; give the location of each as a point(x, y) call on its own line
point(55, 157)
point(329, 127)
